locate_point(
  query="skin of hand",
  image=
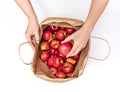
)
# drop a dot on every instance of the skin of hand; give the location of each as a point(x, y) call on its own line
point(81, 36)
point(33, 26)
point(32, 31)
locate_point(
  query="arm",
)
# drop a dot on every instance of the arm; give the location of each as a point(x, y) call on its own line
point(32, 28)
point(81, 36)
point(96, 9)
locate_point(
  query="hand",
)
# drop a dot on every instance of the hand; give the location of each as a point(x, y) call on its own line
point(32, 31)
point(80, 39)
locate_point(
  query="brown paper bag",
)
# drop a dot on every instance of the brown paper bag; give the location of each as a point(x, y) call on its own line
point(40, 69)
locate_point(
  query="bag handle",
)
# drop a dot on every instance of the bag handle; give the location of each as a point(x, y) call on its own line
point(101, 59)
point(19, 49)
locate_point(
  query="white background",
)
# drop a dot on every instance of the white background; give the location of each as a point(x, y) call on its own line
point(98, 76)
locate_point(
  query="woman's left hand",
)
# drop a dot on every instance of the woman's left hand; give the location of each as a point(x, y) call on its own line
point(80, 38)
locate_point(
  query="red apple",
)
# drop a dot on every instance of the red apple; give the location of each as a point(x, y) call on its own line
point(44, 56)
point(64, 48)
point(53, 28)
point(71, 61)
point(54, 43)
point(67, 35)
point(47, 35)
point(60, 74)
point(61, 55)
point(53, 51)
point(53, 70)
point(44, 45)
point(76, 57)
point(50, 61)
point(67, 68)
point(60, 34)
point(69, 30)
point(58, 61)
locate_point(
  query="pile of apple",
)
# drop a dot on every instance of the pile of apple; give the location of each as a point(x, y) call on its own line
point(53, 52)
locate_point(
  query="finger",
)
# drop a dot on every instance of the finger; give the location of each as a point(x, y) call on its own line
point(37, 37)
point(78, 49)
point(30, 42)
point(74, 48)
point(67, 39)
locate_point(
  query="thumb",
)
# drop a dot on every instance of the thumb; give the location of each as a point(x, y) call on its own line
point(37, 37)
point(67, 39)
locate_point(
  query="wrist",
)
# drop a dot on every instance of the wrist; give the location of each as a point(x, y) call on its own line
point(33, 19)
point(87, 28)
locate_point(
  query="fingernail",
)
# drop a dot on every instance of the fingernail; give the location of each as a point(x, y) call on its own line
point(67, 56)
point(62, 41)
point(37, 42)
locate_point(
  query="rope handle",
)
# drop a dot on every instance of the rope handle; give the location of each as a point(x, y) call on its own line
point(19, 49)
point(101, 59)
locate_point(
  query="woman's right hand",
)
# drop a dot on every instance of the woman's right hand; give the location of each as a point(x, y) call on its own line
point(32, 31)
point(33, 27)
